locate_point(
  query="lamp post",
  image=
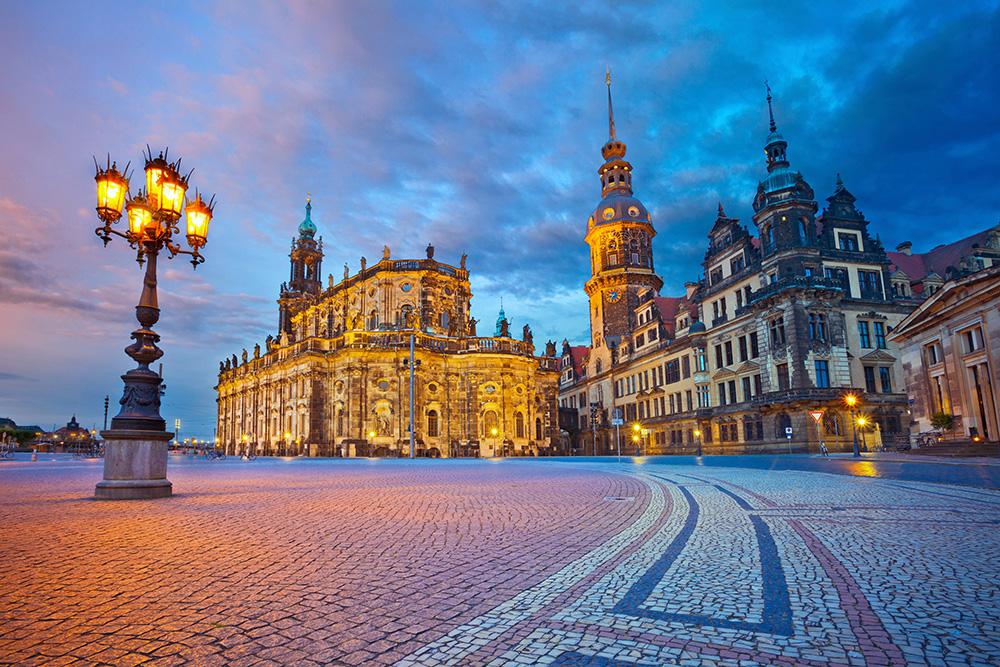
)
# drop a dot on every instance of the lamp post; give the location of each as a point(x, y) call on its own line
point(852, 401)
point(135, 459)
point(494, 432)
point(645, 438)
point(637, 436)
point(861, 422)
point(697, 437)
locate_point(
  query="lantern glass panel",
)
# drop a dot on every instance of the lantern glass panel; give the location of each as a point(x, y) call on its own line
point(198, 217)
point(172, 196)
point(154, 176)
point(139, 218)
point(111, 190)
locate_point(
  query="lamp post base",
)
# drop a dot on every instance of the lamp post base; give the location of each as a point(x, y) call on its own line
point(135, 465)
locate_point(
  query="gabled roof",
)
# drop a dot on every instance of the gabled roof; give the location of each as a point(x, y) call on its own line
point(937, 260)
point(983, 281)
point(578, 354)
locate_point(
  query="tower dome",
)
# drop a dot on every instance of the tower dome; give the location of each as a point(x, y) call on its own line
point(307, 228)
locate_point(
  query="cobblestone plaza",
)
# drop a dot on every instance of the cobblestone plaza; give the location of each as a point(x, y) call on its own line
point(475, 562)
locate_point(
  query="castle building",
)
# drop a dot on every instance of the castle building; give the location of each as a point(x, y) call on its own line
point(783, 323)
point(335, 381)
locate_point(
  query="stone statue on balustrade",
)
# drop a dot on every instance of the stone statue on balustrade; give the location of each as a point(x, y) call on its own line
point(526, 335)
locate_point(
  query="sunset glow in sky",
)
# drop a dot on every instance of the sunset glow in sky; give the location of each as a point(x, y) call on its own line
point(473, 126)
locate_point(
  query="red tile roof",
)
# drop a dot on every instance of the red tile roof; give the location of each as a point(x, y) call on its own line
point(937, 260)
point(579, 354)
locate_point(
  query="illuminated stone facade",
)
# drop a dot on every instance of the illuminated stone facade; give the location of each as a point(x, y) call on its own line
point(783, 323)
point(336, 379)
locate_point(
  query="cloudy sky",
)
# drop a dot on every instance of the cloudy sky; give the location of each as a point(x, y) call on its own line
point(475, 126)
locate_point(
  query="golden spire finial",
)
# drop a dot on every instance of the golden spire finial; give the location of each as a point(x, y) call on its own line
point(309, 197)
point(611, 112)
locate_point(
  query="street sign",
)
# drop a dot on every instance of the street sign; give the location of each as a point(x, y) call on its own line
point(817, 415)
point(788, 431)
point(617, 421)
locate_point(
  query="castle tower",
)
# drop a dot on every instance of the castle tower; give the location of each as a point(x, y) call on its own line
point(306, 268)
point(784, 207)
point(620, 235)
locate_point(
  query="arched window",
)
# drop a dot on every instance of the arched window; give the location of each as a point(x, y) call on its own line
point(519, 424)
point(373, 320)
point(432, 423)
point(444, 320)
point(538, 428)
point(404, 314)
point(831, 423)
point(491, 427)
point(340, 422)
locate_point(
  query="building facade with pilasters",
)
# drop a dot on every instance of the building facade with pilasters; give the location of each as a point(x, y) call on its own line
point(335, 381)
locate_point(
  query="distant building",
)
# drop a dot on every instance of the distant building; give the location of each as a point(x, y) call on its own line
point(951, 355)
point(783, 323)
point(335, 380)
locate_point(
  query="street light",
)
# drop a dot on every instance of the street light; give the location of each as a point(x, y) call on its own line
point(697, 436)
point(494, 432)
point(851, 400)
point(861, 422)
point(135, 462)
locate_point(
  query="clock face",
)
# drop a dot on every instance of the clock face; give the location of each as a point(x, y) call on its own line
point(614, 296)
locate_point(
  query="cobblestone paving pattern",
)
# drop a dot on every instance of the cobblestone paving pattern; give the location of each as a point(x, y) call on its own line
point(486, 563)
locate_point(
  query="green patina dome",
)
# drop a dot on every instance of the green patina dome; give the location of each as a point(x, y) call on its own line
point(307, 228)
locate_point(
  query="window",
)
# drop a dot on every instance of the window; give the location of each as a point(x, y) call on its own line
point(932, 354)
point(686, 366)
point(879, 334)
point(538, 428)
point(753, 428)
point(490, 422)
point(885, 378)
point(651, 334)
point(729, 432)
point(432, 423)
point(817, 326)
point(673, 373)
point(743, 348)
point(754, 346)
point(688, 400)
point(777, 331)
point(702, 364)
point(718, 356)
point(870, 284)
point(870, 379)
point(715, 276)
point(739, 299)
point(822, 373)
point(640, 340)
point(837, 274)
point(757, 385)
point(847, 241)
point(866, 340)
point(782, 372)
point(704, 397)
point(728, 345)
point(736, 265)
point(831, 423)
point(972, 339)
point(747, 392)
point(732, 392)
point(722, 393)
point(783, 422)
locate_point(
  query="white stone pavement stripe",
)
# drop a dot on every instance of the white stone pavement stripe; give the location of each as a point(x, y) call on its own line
point(470, 637)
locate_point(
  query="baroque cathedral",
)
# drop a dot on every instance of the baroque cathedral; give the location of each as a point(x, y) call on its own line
point(335, 380)
point(759, 352)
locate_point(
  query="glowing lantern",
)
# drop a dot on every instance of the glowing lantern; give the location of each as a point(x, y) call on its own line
point(172, 189)
point(141, 223)
point(199, 214)
point(156, 168)
point(112, 187)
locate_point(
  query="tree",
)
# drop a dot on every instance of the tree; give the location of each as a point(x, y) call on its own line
point(942, 421)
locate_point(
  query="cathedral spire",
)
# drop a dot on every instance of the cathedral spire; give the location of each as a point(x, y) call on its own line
point(770, 110)
point(776, 146)
point(611, 111)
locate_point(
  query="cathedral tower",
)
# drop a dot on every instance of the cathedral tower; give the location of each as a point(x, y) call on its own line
point(304, 277)
point(784, 208)
point(620, 235)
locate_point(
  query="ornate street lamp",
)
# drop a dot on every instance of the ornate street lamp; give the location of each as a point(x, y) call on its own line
point(135, 459)
point(851, 400)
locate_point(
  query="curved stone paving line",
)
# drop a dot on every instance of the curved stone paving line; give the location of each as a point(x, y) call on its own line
point(511, 563)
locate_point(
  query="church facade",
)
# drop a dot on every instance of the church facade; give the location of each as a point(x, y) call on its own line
point(335, 380)
point(758, 353)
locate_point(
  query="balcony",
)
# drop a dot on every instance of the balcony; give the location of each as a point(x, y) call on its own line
point(807, 394)
point(792, 283)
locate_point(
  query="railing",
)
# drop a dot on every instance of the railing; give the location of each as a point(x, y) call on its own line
point(801, 394)
point(795, 282)
point(394, 340)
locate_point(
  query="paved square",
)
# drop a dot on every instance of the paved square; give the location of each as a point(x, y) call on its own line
point(477, 562)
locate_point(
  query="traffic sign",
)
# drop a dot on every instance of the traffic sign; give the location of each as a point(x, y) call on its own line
point(817, 415)
point(788, 431)
point(617, 421)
